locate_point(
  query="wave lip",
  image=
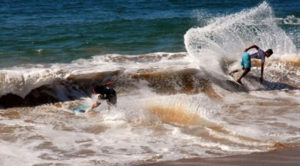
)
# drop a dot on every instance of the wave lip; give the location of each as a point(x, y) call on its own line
point(61, 82)
point(21, 82)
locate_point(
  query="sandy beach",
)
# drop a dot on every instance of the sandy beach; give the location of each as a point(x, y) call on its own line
point(281, 157)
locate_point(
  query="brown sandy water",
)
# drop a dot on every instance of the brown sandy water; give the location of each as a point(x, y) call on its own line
point(287, 157)
point(199, 122)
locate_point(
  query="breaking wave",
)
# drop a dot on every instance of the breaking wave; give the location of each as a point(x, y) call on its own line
point(211, 51)
point(170, 105)
point(226, 37)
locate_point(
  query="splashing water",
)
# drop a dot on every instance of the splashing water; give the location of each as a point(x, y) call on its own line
point(226, 37)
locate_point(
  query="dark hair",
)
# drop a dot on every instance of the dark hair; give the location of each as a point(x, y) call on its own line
point(100, 89)
point(270, 51)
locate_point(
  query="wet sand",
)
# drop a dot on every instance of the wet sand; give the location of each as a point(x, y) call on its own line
point(281, 157)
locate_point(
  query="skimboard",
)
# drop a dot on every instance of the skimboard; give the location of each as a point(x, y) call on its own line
point(81, 109)
point(231, 80)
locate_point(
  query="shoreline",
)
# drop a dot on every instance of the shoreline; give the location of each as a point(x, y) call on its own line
point(286, 156)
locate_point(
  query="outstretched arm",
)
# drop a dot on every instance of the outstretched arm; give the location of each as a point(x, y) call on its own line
point(93, 106)
point(262, 73)
point(253, 46)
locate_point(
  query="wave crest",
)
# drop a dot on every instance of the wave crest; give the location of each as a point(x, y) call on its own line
point(226, 37)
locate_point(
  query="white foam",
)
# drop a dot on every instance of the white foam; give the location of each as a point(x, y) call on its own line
point(290, 20)
point(130, 130)
point(227, 37)
point(12, 154)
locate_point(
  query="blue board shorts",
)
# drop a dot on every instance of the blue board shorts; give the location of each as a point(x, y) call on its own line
point(246, 61)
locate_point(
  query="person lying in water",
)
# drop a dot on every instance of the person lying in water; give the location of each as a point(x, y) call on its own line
point(106, 92)
point(246, 61)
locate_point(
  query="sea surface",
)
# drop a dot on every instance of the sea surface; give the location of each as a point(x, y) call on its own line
point(169, 62)
point(41, 31)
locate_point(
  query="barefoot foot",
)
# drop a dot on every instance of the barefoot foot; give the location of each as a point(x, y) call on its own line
point(239, 81)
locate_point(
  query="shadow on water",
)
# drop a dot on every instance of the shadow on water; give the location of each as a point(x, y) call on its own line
point(46, 94)
point(74, 87)
point(269, 85)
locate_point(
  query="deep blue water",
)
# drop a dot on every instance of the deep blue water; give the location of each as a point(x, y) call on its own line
point(43, 31)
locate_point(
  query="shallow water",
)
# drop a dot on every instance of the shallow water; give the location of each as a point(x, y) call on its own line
point(151, 129)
